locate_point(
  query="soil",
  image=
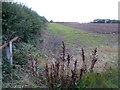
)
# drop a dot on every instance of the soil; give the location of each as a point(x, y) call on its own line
point(95, 27)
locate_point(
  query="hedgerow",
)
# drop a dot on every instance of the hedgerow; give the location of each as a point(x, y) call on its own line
point(19, 20)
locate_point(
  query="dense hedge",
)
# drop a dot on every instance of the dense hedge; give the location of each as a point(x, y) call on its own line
point(19, 20)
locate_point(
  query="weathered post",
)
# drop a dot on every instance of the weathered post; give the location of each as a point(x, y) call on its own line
point(8, 48)
point(9, 53)
point(11, 57)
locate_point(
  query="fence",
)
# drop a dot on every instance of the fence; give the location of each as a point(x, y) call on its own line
point(8, 49)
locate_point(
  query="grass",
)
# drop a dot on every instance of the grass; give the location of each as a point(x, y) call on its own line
point(75, 36)
point(76, 39)
point(64, 73)
point(107, 79)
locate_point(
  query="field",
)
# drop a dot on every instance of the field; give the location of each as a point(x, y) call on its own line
point(76, 38)
point(56, 55)
point(61, 65)
point(95, 27)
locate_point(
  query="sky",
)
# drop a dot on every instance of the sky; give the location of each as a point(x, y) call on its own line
point(74, 10)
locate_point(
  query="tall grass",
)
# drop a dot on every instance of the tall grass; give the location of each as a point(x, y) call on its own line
point(60, 75)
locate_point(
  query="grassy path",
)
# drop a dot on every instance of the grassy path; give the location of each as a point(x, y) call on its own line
point(75, 36)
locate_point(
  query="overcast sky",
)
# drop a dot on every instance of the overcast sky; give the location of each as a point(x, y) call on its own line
point(74, 10)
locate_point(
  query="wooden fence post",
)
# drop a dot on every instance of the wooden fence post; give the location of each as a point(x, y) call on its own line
point(8, 48)
point(11, 57)
point(9, 53)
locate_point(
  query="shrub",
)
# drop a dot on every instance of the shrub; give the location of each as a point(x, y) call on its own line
point(19, 20)
point(22, 53)
point(8, 72)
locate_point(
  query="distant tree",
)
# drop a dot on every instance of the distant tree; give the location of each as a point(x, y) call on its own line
point(51, 21)
point(115, 21)
point(105, 21)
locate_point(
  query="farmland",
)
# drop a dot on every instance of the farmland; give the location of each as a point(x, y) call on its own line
point(76, 38)
point(109, 30)
point(85, 35)
point(95, 27)
point(56, 55)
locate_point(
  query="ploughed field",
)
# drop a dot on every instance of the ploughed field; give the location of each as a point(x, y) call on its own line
point(95, 27)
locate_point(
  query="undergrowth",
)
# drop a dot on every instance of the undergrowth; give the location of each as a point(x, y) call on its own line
point(23, 69)
point(60, 75)
point(65, 72)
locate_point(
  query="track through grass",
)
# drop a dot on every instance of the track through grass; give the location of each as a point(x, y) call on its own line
point(75, 36)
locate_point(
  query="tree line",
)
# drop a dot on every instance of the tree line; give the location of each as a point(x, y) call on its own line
point(105, 21)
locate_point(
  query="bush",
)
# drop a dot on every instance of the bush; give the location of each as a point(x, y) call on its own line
point(8, 72)
point(22, 65)
point(19, 20)
point(23, 51)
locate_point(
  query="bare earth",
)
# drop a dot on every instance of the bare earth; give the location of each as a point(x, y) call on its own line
point(95, 27)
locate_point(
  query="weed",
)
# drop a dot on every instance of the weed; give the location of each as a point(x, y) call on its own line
point(59, 74)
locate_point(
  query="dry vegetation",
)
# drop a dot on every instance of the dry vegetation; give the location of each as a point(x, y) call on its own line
point(68, 64)
point(62, 73)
